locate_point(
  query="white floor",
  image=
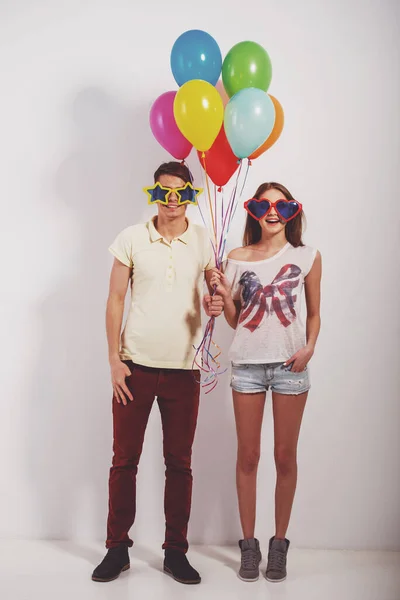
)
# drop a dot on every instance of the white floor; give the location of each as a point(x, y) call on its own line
point(61, 571)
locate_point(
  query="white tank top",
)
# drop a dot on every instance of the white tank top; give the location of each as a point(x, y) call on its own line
point(270, 328)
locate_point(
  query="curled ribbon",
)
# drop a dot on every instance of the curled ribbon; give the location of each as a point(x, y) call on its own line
point(205, 361)
point(221, 213)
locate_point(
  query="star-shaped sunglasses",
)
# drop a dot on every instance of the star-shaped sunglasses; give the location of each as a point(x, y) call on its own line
point(286, 209)
point(158, 193)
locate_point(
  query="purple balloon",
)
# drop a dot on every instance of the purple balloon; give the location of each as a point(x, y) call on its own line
point(165, 129)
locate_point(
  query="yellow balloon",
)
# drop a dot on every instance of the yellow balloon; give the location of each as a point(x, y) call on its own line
point(199, 113)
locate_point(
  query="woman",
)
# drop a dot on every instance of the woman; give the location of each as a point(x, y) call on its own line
point(262, 288)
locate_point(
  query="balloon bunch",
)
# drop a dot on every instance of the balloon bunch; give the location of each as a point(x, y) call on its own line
point(225, 121)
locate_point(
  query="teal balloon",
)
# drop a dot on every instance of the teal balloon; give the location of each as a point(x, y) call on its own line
point(249, 120)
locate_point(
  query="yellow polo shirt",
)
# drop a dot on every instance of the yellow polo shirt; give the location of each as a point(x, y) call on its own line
point(164, 321)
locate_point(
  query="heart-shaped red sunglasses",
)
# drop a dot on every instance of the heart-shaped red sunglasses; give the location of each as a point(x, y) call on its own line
point(260, 208)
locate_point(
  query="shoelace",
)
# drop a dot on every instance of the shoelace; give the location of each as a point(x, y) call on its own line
point(276, 560)
point(249, 559)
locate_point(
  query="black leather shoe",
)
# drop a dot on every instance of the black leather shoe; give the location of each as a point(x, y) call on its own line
point(177, 565)
point(115, 561)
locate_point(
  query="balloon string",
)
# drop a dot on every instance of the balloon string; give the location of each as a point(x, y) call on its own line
point(233, 204)
point(222, 205)
point(204, 357)
point(233, 194)
point(215, 211)
point(245, 177)
point(244, 183)
point(203, 156)
point(188, 168)
point(208, 352)
point(230, 205)
point(205, 225)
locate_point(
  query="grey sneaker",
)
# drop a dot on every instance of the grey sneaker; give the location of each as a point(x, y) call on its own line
point(277, 554)
point(251, 558)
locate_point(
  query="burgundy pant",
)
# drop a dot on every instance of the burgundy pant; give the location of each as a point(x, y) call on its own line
point(178, 399)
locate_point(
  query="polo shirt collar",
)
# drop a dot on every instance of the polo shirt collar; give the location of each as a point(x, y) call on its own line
point(155, 235)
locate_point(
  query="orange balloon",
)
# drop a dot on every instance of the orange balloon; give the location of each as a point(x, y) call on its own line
point(275, 133)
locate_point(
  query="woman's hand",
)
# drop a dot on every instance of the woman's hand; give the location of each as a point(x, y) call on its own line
point(300, 360)
point(220, 283)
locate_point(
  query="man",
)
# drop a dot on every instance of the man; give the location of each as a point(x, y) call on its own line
point(164, 261)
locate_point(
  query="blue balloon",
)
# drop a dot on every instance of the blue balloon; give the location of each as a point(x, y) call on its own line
point(249, 120)
point(196, 55)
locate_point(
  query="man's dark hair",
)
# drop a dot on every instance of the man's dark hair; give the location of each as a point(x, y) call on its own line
point(173, 168)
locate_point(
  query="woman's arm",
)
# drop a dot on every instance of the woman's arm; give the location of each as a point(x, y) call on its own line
point(231, 311)
point(312, 288)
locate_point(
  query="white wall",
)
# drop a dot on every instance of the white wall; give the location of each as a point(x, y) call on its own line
point(77, 81)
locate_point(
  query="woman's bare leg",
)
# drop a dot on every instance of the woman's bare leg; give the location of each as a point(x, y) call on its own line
point(249, 411)
point(288, 413)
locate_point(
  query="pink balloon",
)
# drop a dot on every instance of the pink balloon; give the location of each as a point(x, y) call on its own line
point(165, 129)
point(221, 90)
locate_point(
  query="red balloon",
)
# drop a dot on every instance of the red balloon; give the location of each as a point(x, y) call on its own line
point(220, 162)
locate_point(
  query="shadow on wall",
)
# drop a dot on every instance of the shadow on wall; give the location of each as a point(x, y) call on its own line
point(69, 429)
point(215, 517)
point(68, 435)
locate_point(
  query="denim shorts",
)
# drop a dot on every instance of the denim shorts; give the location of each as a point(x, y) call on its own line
point(257, 378)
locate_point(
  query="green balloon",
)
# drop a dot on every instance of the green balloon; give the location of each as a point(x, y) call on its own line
point(247, 64)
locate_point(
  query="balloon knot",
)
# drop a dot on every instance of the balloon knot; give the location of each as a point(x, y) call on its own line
point(250, 163)
point(239, 161)
point(220, 189)
point(203, 155)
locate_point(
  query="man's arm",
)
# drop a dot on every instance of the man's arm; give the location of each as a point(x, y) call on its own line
point(119, 281)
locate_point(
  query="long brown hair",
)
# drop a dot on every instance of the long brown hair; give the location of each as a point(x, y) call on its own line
point(293, 229)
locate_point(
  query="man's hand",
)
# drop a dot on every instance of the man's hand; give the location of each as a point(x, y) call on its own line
point(213, 305)
point(300, 360)
point(119, 372)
